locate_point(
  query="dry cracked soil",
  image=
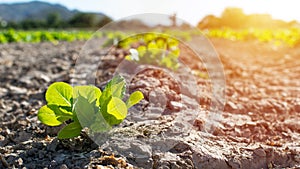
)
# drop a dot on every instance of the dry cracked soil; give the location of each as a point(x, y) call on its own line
point(258, 127)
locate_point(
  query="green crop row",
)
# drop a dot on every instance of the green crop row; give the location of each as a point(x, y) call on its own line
point(288, 37)
point(10, 36)
point(153, 49)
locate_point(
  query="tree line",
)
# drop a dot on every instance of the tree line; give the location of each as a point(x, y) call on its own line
point(235, 18)
point(54, 20)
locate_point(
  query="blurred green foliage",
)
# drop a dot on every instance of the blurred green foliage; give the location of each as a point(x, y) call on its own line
point(11, 35)
point(54, 20)
point(277, 37)
point(152, 48)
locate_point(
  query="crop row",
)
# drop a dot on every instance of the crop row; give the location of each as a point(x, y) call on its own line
point(9, 36)
point(289, 37)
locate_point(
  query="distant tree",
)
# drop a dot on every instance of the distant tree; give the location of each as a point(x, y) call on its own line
point(233, 17)
point(236, 19)
point(83, 20)
point(105, 20)
point(185, 26)
point(210, 21)
point(12, 25)
point(32, 24)
point(53, 20)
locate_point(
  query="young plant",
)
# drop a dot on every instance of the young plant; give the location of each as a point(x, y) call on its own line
point(150, 48)
point(86, 106)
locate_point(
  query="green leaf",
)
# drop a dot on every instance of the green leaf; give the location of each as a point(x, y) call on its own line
point(175, 52)
point(134, 98)
point(117, 108)
point(155, 52)
point(48, 117)
point(142, 50)
point(91, 93)
point(100, 124)
point(85, 111)
point(60, 94)
point(114, 88)
point(152, 45)
point(62, 113)
point(65, 111)
point(117, 86)
point(69, 131)
point(128, 57)
point(161, 43)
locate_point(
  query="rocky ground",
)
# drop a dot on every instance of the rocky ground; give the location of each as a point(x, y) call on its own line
point(173, 127)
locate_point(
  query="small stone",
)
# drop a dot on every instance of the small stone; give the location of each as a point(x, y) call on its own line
point(142, 149)
point(17, 90)
point(140, 84)
point(158, 98)
point(64, 166)
point(23, 136)
point(19, 161)
point(53, 145)
point(232, 105)
point(53, 163)
point(3, 92)
point(45, 78)
point(176, 105)
point(24, 104)
point(260, 152)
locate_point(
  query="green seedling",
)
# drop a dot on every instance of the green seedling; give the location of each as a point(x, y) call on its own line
point(86, 106)
point(155, 49)
point(36, 36)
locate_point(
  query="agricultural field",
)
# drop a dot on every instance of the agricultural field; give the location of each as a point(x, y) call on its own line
point(277, 37)
point(158, 111)
point(14, 36)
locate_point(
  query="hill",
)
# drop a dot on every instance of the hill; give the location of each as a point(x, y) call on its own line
point(35, 10)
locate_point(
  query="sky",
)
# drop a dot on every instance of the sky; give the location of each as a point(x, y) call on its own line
point(191, 11)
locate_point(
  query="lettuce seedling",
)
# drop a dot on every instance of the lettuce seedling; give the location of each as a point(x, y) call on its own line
point(153, 49)
point(86, 106)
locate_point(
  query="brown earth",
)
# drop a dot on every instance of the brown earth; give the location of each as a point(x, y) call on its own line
point(259, 127)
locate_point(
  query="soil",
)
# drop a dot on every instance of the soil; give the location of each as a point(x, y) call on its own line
point(258, 128)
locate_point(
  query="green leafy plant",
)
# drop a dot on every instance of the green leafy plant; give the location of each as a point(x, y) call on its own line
point(154, 49)
point(86, 106)
point(11, 36)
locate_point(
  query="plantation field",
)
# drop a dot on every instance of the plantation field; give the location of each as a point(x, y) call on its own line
point(11, 36)
point(277, 37)
point(174, 125)
point(289, 37)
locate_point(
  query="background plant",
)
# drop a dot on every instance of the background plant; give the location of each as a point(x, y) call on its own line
point(11, 35)
point(154, 49)
point(280, 36)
